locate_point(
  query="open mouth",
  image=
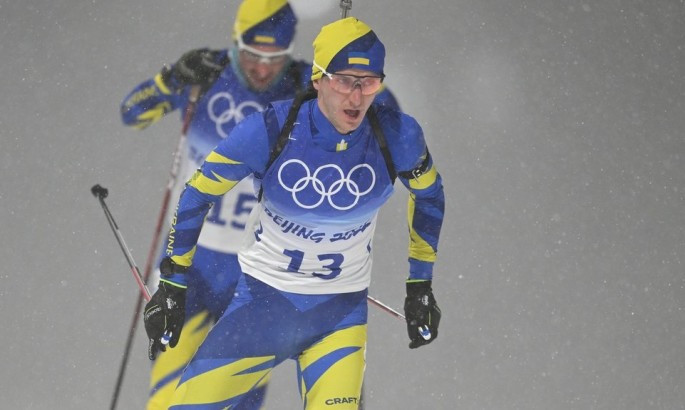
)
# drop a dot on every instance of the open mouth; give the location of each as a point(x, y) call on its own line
point(353, 114)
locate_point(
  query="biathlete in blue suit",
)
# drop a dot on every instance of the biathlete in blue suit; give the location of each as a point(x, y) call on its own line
point(234, 83)
point(307, 255)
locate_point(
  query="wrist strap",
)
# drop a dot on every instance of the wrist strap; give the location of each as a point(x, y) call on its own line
point(175, 280)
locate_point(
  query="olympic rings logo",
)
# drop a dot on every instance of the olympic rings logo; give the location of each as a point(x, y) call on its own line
point(232, 113)
point(344, 181)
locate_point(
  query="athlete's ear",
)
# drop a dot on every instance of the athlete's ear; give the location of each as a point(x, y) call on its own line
point(316, 84)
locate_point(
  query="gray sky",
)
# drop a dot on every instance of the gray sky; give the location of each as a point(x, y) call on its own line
point(557, 127)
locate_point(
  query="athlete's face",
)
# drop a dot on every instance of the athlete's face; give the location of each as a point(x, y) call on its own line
point(345, 111)
point(259, 70)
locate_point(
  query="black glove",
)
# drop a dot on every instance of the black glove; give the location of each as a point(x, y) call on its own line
point(196, 67)
point(165, 312)
point(422, 313)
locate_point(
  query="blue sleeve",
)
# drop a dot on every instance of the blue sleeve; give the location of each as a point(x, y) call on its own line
point(148, 102)
point(245, 151)
point(426, 204)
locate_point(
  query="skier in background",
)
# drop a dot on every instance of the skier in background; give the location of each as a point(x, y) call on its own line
point(324, 167)
point(233, 83)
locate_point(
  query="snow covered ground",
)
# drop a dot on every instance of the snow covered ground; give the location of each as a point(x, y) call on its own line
point(558, 129)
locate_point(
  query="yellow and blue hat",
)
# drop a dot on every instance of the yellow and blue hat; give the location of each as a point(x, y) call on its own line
point(347, 43)
point(265, 22)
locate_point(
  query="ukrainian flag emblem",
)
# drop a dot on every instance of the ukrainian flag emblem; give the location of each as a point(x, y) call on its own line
point(358, 58)
point(266, 39)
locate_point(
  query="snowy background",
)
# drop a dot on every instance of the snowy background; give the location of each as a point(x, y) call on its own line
point(558, 129)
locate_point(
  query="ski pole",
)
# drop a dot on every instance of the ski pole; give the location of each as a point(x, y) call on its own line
point(101, 193)
point(385, 307)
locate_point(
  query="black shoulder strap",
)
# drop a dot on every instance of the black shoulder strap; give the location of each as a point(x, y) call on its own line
point(302, 96)
point(380, 137)
point(382, 143)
